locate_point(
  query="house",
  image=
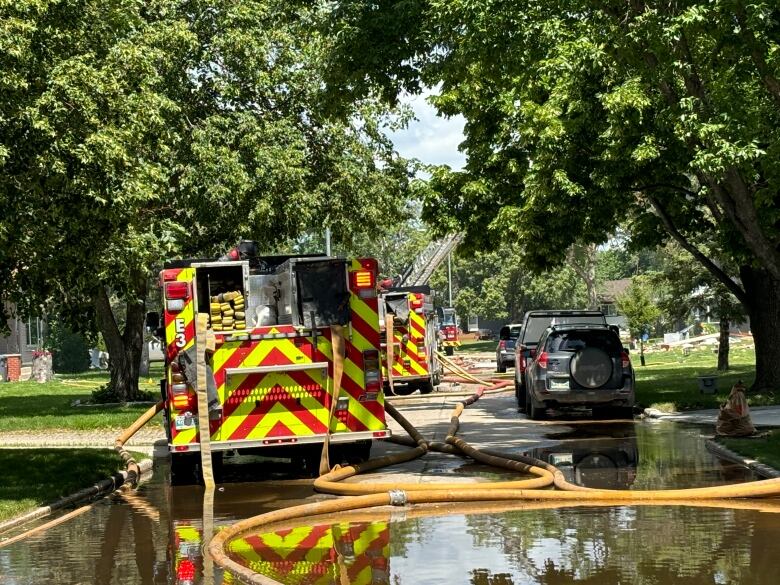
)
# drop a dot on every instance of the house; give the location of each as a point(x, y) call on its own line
point(25, 336)
point(608, 293)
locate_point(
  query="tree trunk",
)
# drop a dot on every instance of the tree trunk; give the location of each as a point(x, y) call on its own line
point(144, 368)
point(582, 259)
point(723, 347)
point(763, 309)
point(124, 349)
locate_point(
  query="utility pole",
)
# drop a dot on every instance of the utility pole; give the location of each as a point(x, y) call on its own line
point(449, 274)
point(327, 241)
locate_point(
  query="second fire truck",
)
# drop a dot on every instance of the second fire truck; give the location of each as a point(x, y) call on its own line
point(409, 360)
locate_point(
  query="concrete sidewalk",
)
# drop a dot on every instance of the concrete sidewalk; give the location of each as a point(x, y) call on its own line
point(762, 416)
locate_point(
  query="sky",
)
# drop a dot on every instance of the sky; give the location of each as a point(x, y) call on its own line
point(432, 139)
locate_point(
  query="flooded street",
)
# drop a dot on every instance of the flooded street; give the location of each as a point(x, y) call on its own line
point(155, 535)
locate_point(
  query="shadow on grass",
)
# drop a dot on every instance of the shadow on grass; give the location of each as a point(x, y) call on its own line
point(44, 475)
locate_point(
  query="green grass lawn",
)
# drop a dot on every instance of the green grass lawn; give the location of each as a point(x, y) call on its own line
point(473, 345)
point(766, 450)
point(669, 380)
point(36, 477)
point(29, 406)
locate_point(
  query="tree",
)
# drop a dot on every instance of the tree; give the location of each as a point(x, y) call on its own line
point(583, 116)
point(135, 132)
point(494, 285)
point(687, 286)
point(637, 305)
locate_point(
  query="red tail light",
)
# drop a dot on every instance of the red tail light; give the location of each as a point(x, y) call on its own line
point(502, 344)
point(523, 363)
point(363, 283)
point(625, 359)
point(416, 301)
point(542, 360)
point(177, 290)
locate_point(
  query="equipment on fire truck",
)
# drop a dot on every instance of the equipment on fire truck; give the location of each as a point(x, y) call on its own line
point(272, 382)
point(410, 342)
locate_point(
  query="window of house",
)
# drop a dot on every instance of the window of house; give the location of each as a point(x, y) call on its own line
point(609, 309)
point(34, 332)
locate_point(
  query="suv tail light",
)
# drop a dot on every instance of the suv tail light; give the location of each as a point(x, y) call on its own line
point(625, 360)
point(502, 344)
point(542, 360)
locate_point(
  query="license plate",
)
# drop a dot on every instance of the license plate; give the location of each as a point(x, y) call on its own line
point(559, 384)
point(561, 459)
point(184, 421)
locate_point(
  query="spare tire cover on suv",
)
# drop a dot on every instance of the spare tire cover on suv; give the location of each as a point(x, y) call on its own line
point(591, 367)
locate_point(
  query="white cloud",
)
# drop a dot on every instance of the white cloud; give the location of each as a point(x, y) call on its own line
point(431, 138)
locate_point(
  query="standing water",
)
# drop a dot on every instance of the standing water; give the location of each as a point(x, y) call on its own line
point(155, 536)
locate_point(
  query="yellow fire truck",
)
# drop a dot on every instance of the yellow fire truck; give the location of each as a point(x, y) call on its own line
point(270, 382)
point(409, 363)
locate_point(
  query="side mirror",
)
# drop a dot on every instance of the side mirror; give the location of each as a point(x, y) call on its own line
point(153, 320)
point(504, 333)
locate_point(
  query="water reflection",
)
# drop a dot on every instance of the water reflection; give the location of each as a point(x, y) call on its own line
point(155, 537)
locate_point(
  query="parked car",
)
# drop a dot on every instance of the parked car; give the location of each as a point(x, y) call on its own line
point(533, 326)
point(505, 350)
point(580, 365)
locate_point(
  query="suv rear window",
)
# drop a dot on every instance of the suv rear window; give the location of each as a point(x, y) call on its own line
point(536, 325)
point(577, 340)
point(514, 332)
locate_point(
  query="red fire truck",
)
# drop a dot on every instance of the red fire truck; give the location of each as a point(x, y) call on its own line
point(270, 379)
point(414, 340)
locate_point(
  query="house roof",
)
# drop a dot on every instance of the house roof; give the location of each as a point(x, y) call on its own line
point(610, 290)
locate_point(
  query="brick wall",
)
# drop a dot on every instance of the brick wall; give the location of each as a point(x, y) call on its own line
point(14, 367)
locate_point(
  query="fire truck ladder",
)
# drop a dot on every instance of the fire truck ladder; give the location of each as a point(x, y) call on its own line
point(429, 260)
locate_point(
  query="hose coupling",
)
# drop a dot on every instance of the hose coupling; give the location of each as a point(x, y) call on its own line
point(397, 497)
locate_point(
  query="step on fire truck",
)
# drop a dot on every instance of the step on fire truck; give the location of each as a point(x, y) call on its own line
point(414, 340)
point(270, 378)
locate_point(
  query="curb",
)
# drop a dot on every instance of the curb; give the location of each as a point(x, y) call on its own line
point(725, 453)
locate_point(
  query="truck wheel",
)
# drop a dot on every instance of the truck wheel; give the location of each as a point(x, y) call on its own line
point(185, 468)
point(500, 367)
point(426, 387)
point(405, 389)
point(449, 350)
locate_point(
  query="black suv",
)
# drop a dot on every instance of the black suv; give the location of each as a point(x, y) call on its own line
point(580, 365)
point(534, 325)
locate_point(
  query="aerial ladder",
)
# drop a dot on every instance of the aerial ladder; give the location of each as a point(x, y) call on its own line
point(426, 263)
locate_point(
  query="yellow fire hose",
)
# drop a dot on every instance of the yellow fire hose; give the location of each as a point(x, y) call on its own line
point(339, 351)
point(398, 494)
point(129, 480)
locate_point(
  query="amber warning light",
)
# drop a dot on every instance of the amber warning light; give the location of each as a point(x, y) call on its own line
point(364, 284)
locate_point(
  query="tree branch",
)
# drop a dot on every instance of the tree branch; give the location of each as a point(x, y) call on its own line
point(770, 81)
point(716, 270)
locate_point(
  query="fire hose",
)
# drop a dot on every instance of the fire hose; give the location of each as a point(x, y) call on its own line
point(121, 483)
point(373, 495)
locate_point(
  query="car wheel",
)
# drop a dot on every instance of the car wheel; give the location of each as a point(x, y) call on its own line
point(520, 395)
point(534, 412)
point(623, 412)
point(500, 367)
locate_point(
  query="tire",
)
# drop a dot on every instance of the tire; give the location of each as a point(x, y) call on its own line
point(185, 469)
point(534, 412)
point(405, 389)
point(623, 412)
point(520, 395)
point(591, 367)
point(500, 367)
point(449, 350)
point(426, 387)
